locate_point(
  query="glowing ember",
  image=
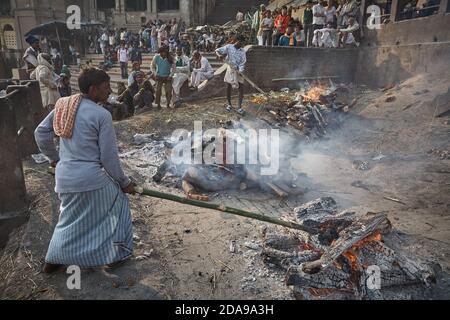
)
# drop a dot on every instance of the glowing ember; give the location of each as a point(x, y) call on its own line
point(351, 254)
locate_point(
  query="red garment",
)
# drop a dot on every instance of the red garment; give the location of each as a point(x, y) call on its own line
point(282, 22)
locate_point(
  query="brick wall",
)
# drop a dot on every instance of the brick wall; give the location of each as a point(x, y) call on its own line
point(267, 63)
point(381, 66)
point(435, 28)
point(403, 49)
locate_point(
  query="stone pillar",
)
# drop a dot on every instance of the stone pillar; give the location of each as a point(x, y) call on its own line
point(120, 5)
point(92, 10)
point(362, 15)
point(443, 6)
point(12, 188)
point(185, 11)
point(394, 9)
point(29, 113)
point(149, 6)
point(2, 39)
point(154, 7)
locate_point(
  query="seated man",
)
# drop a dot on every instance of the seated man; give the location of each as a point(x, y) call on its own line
point(136, 67)
point(139, 95)
point(202, 70)
point(328, 37)
point(181, 75)
point(346, 36)
point(145, 96)
point(172, 45)
point(299, 35)
point(107, 62)
point(185, 45)
point(288, 39)
point(317, 38)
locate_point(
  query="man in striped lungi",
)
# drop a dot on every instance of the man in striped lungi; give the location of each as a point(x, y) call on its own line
point(94, 227)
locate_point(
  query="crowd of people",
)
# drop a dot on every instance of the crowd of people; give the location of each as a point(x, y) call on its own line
point(171, 70)
point(178, 60)
point(323, 24)
point(419, 8)
point(115, 43)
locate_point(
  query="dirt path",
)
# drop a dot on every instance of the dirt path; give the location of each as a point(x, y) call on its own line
point(183, 252)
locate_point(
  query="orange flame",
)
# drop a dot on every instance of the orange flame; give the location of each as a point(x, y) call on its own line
point(315, 93)
point(351, 254)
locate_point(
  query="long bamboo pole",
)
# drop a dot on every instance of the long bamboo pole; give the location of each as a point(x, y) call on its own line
point(222, 208)
point(305, 78)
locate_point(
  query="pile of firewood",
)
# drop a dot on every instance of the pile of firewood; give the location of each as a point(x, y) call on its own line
point(231, 28)
point(304, 110)
point(348, 256)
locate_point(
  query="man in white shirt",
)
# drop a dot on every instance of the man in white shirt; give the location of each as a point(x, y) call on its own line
point(104, 40)
point(202, 70)
point(318, 16)
point(345, 11)
point(181, 75)
point(162, 35)
point(112, 39)
point(123, 35)
point(122, 56)
point(346, 35)
point(236, 58)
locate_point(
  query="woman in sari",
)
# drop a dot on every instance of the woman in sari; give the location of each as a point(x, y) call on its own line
point(94, 227)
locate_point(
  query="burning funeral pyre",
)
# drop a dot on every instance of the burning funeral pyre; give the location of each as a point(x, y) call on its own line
point(306, 110)
point(299, 116)
point(344, 255)
point(348, 257)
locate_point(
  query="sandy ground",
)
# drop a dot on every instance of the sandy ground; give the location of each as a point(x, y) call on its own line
point(183, 252)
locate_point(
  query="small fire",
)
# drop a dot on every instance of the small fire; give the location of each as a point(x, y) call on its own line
point(351, 254)
point(259, 99)
point(315, 94)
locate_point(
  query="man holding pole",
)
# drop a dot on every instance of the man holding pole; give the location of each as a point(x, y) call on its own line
point(236, 58)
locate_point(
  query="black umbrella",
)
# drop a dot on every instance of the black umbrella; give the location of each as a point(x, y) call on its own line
point(55, 25)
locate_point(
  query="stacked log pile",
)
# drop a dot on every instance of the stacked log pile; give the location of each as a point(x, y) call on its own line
point(306, 110)
point(231, 28)
point(350, 256)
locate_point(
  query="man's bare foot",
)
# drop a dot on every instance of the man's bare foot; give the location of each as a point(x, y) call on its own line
point(50, 268)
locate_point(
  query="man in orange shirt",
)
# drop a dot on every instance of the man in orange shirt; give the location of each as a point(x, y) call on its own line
point(281, 23)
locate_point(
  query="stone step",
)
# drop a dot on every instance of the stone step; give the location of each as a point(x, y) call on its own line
point(115, 73)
